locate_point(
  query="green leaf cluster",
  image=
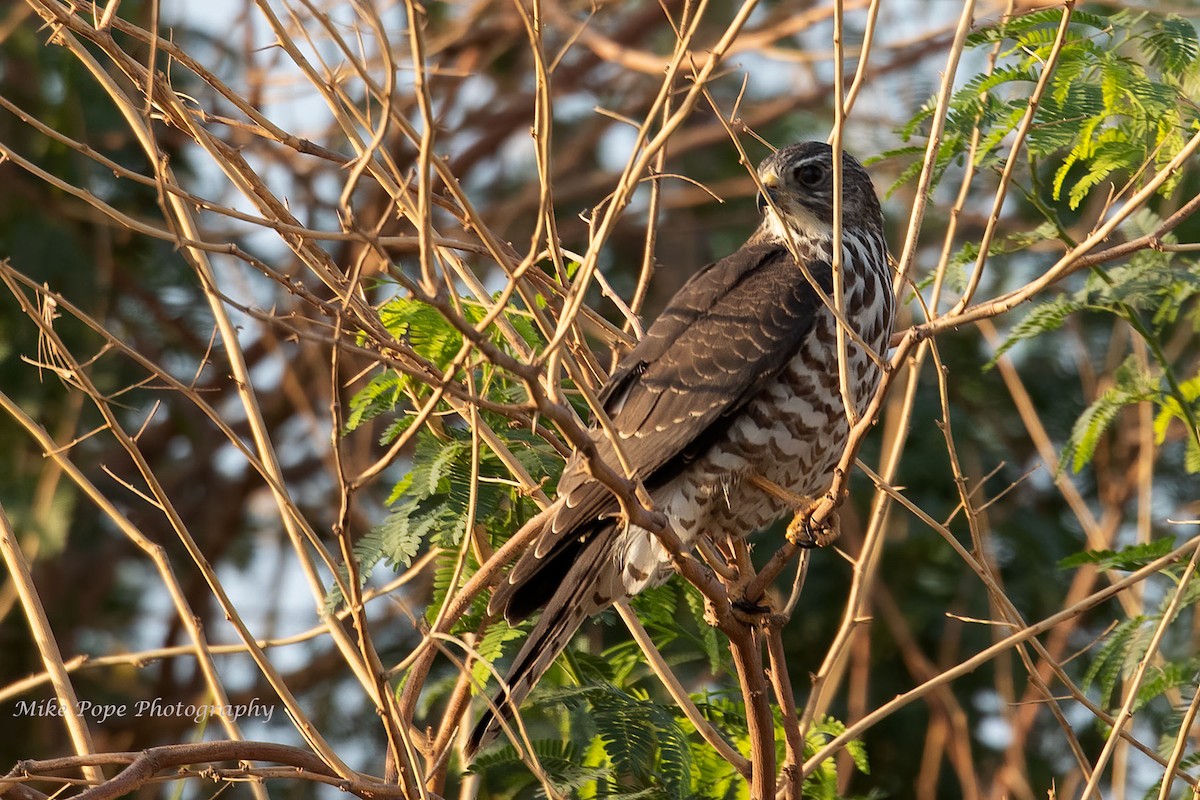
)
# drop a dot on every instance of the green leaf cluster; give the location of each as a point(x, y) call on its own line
point(1121, 98)
point(446, 493)
point(1177, 666)
point(1127, 559)
point(1152, 293)
point(431, 504)
point(822, 783)
point(627, 743)
point(623, 744)
point(434, 338)
point(1119, 103)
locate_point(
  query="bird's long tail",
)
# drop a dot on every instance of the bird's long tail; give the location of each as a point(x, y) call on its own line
point(586, 589)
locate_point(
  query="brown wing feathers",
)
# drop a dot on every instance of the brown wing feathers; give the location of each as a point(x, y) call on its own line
point(733, 326)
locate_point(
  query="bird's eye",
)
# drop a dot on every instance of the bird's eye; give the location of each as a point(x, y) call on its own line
point(809, 174)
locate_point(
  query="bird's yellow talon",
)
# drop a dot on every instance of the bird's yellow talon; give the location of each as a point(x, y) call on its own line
point(802, 532)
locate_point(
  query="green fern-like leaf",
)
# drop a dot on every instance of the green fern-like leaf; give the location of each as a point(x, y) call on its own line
point(491, 646)
point(823, 781)
point(1191, 457)
point(1167, 677)
point(642, 741)
point(1132, 386)
point(707, 636)
point(724, 711)
point(1173, 46)
point(381, 394)
point(1127, 559)
point(1021, 27)
point(1186, 766)
point(1123, 647)
point(1043, 318)
point(1012, 243)
point(1174, 723)
point(443, 581)
point(429, 333)
point(713, 778)
point(1150, 281)
point(403, 532)
point(674, 755)
point(947, 152)
point(396, 540)
point(1108, 157)
point(1001, 125)
point(1173, 409)
point(597, 668)
point(1105, 115)
point(628, 741)
point(623, 662)
point(560, 760)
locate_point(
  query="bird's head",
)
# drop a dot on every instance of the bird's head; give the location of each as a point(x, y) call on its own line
point(799, 180)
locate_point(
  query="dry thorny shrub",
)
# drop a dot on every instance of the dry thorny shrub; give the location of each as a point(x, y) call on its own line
point(385, 252)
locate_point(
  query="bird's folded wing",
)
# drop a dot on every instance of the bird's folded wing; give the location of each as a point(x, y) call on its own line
point(728, 332)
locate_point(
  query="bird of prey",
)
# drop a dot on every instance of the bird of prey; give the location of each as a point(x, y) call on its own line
point(738, 377)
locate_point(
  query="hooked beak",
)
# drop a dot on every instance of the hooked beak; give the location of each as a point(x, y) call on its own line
point(770, 182)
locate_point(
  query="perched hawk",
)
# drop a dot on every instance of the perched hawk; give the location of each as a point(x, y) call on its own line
point(738, 376)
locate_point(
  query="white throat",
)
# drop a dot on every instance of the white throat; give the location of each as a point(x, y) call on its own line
point(804, 225)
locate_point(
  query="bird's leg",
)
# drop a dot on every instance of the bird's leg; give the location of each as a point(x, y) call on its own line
point(750, 610)
point(803, 532)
